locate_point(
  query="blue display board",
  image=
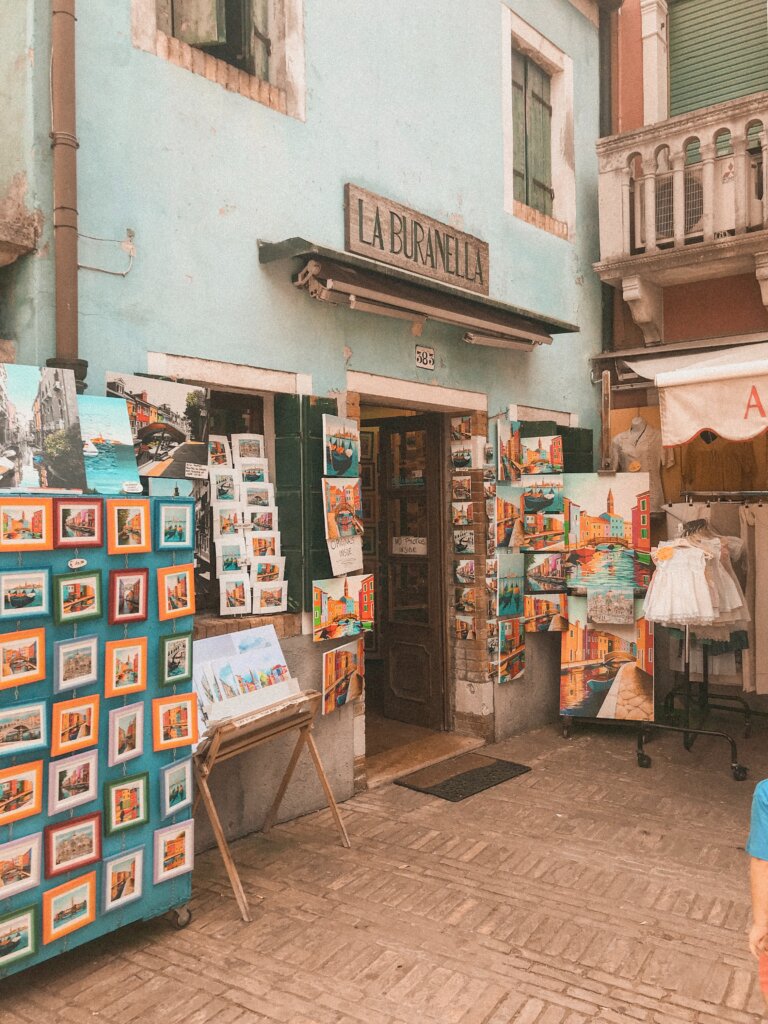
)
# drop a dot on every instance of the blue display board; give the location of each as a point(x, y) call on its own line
point(40, 597)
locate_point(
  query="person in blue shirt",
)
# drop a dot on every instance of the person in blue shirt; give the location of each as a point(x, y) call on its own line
point(757, 848)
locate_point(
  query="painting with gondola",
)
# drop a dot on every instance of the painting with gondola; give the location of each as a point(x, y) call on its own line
point(175, 658)
point(176, 787)
point(341, 446)
point(24, 594)
point(175, 526)
point(22, 728)
point(18, 935)
point(78, 523)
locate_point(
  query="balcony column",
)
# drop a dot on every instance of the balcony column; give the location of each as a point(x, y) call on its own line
point(762, 137)
point(678, 198)
point(708, 189)
point(654, 16)
point(626, 210)
point(740, 182)
point(649, 195)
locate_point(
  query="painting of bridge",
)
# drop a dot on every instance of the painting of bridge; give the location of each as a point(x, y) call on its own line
point(607, 512)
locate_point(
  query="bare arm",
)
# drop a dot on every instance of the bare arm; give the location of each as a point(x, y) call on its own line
point(758, 934)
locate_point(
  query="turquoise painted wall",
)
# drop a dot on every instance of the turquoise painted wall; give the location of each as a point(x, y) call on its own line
point(398, 101)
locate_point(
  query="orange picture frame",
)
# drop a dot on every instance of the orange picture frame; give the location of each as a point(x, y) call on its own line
point(75, 912)
point(14, 527)
point(131, 533)
point(74, 725)
point(129, 673)
point(21, 791)
point(174, 721)
point(175, 598)
point(22, 658)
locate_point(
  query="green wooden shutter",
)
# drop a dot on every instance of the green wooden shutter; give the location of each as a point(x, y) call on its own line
point(718, 50)
point(539, 122)
point(200, 22)
point(518, 125)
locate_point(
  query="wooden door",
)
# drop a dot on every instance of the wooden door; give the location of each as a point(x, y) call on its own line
point(411, 583)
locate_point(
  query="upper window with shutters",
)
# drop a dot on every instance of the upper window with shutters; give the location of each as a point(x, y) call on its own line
point(540, 182)
point(254, 47)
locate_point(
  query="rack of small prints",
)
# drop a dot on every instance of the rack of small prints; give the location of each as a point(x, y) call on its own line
point(246, 535)
point(468, 454)
point(97, 717)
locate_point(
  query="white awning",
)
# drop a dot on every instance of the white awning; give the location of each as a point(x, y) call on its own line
point(725, 393)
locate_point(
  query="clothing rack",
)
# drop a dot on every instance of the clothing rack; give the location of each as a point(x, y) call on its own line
point(741, 497)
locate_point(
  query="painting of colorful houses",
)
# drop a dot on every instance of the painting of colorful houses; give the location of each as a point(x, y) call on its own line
point(545, 573)
point(608, 511)
point(343, 670)
point(545, 613)
point(606, 672)
point(342, 607)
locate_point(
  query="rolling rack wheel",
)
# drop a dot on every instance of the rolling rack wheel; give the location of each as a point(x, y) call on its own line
point(643, 761)
point(180, 917)
point(739, 772)
point(566, 725)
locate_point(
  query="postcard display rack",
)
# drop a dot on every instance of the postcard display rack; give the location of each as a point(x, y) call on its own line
point(96, 718)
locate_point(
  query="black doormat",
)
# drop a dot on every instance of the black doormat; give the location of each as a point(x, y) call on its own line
point(462, 776)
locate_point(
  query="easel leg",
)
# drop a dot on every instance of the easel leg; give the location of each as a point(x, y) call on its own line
point(221, 842)
point(328, 791)
point(269, 821)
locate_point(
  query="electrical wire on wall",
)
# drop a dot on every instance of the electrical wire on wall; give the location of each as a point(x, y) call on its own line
point(126, 244)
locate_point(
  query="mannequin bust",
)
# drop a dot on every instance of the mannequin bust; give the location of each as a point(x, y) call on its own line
point(638, 450)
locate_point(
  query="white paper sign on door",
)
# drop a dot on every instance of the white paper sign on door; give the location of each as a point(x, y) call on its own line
point(346, 555)
point(409, 545)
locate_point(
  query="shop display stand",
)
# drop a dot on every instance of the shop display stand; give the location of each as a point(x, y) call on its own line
point(243, 733)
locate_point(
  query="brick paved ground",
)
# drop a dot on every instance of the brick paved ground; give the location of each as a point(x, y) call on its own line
point(585, 891)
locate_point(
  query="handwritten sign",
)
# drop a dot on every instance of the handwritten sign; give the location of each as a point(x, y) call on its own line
point(409, 545)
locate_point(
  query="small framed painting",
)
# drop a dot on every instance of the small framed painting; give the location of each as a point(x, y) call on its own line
point(230, 555)
point(367, 439)
point(126, 733)
point(174, 851)
point(175, 591)
point(21, 791)
point(123, 879)
point(235, 594)
point(257, 494)
point(253, 471)
point(125, 666)
point(174, 526)
point(267, 569)
point(127, 590)
point(78, 522)
point(248, 446)
point(20, 864)
point(175, 658)
point(22, 728)
point(174, 721)
point(25, 593)
point(126, 803)
point(260, 519)
point(224, 483)
point(77, 597)
point(74, 725)
point(261, 545)
point(75, 662)
point(68, 907)
point(128, 531)
point(227, 518)
point(22, 658)
point(219, 453)
point(175, 787)
point(18, 935)
point(269, 598)
point(72, 781)
point(72, 844)
point(25, 524)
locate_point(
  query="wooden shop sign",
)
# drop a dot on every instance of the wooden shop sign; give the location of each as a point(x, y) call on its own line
point(387, 232)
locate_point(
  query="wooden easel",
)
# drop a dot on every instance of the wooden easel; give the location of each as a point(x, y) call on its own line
point(237, 736)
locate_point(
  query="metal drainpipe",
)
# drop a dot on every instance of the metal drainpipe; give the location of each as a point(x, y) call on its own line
point(64, 145)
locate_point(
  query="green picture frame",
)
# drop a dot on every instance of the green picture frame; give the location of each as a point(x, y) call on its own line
point(81, 603)
point(171, 650)
point(126, 799)
point(21, 922)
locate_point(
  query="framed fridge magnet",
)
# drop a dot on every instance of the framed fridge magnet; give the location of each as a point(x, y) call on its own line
point(174, 851)
point(68, 907)
point(74, 725)
point(127, 592)
point(128, 531)
point(18, 935)
point(26, 524)
point(175, 658)
point(175, 787)
point(126, 803)
point(175, 591)
point(174, 526)
point(72, 844)
point(20, 866)
point(72, 781)
point(123, 877)
point(22, 728)
point(22, 658)
point(75, 662)
point(174, 721)
point(77, 597)
point(78, 522)
point(25, 593)
point(125, 666)
point(21, 791)
point(126, 733)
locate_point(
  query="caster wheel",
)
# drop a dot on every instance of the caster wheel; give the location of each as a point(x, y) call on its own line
point(181, 917)
point(643, 761)
point(739, 772)
point(566, 730)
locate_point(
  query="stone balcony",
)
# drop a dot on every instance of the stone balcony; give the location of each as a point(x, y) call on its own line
point(684, 200)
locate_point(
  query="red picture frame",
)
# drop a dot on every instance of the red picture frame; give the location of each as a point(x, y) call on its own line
point(90, 526)
point(88, 823)
point(122, 595)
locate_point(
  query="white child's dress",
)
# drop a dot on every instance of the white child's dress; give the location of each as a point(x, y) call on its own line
point(678, 593)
